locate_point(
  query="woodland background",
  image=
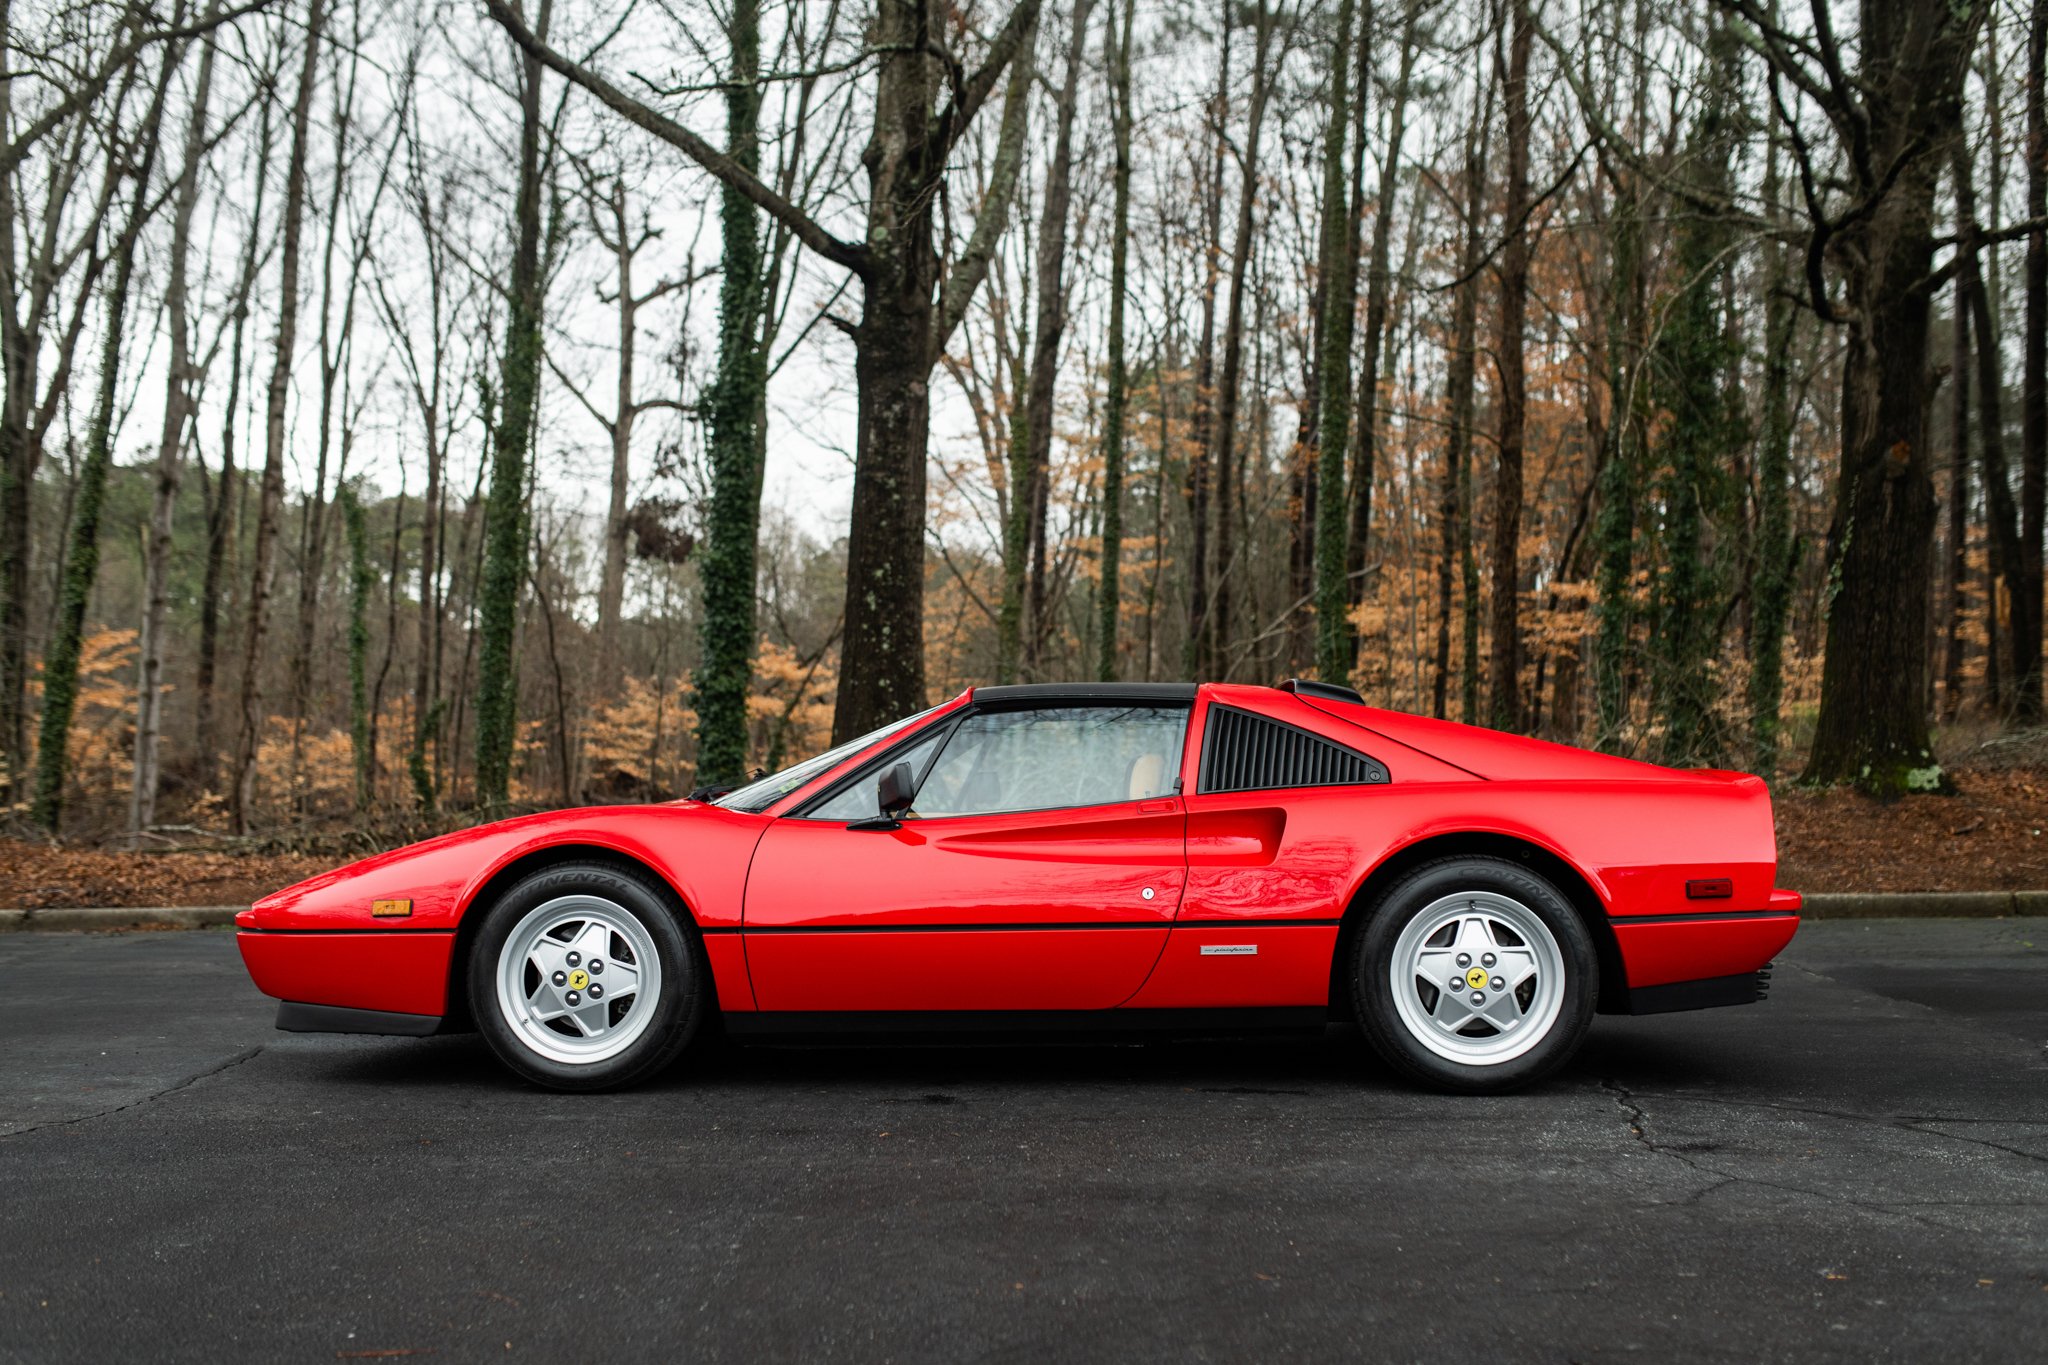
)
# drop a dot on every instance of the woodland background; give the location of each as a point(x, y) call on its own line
point(414, 411)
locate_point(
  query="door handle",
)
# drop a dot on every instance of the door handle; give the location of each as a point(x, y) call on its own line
point(1155, 807)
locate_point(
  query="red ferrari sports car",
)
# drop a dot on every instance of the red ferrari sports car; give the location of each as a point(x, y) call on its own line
point(1088, 858)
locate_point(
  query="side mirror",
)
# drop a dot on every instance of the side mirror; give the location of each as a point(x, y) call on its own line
point(894, 792)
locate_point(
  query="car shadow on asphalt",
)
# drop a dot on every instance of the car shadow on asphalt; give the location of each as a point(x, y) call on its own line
point(1338, 1061)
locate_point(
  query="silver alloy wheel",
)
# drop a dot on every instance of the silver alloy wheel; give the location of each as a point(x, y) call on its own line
point(578, 979)
point(1478, 978)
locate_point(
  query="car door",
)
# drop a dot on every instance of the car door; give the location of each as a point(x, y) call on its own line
point(1039, 868)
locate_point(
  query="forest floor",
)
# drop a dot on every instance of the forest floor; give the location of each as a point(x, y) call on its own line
point(1991, 836)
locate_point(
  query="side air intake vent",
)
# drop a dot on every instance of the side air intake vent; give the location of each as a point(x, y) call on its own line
point(1242, 752)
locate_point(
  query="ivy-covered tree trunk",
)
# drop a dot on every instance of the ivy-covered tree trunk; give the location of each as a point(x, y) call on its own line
point(505, 513)
point(922, 106)
point(82, 549)
point(1695, 354)
point(1109, 603)
point(1336, 277)
point(725, 676)
point(1770, 583)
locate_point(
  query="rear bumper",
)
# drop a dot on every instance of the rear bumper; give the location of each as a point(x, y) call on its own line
point(395, 972)
point(1663, 950)
point(1701, 960)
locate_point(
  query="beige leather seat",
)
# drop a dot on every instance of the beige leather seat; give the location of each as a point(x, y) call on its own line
point(1148, 774)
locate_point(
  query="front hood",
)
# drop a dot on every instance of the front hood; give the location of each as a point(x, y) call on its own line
point(437, 875)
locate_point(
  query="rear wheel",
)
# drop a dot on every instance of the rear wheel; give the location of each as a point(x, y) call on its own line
point(1475, 975)
point(586, 977)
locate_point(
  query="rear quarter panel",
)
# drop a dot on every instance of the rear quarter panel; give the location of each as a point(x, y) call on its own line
point(1292, 862)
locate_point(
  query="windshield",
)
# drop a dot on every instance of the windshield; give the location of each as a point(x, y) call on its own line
point(759, 795)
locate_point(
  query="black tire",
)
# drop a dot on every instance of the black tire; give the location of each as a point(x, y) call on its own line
point(1373, 986)
point(682, 999)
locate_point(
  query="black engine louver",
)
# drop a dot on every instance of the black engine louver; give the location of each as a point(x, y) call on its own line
point(1242, 752)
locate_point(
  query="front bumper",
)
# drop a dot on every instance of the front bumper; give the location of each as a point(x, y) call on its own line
point(296, 1017)
point(398, 972)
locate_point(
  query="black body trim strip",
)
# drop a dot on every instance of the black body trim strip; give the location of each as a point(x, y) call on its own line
point(1704, 916)
point(1028, 928)
point(1744, 988)
point(1229, 923)
point(331, 933)
point(295, 1017)
point(964, 1025)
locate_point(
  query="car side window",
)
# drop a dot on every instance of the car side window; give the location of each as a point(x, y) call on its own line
point(1053, 757)
point(856, 800)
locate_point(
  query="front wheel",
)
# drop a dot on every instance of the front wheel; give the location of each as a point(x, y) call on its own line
point(584, 978)
point(1475, 975)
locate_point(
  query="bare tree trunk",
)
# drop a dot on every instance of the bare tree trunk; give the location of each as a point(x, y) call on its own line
point(1365, 435)
point(611, 590)
point(902, 331)
point(1891, 117)
point(1233, 340)
point(271, 499)
point(2009, 556)
point(220, 512)
point(1505, 702)
point(1336, 283)
point(1050, 322)
point(180, 402)
point(2034, 351)
point(1202, 428)
point(361, 578)
point(1958, 504)
point(1117, 56)
point(1460, 382)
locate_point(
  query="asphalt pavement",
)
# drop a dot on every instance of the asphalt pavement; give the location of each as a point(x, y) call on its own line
point(1856, 1169)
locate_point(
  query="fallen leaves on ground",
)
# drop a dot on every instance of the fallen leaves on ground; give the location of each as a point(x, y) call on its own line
point(1988, 837)
point(42, 876)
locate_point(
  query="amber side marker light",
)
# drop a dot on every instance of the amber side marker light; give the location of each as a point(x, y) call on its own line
point(1710, 889)
point(390, 909)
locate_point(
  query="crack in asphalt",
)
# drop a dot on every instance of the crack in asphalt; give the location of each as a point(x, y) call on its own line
point(1905, 1123)
point(173, 1088)
point(1639, 1120)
